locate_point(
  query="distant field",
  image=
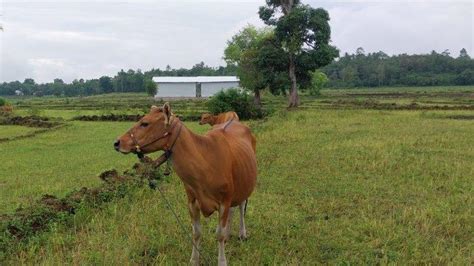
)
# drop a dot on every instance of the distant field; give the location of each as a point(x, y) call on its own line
point(338, 184)
point(132, 103)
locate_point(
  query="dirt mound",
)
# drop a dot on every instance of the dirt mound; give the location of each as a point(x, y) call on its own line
point(461, 117)
point(124, 117)
point(111, 117)
point(29, 121)
point(25, 223)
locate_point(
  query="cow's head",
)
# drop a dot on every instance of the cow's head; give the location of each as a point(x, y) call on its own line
point(149, 134)
point(206, 118)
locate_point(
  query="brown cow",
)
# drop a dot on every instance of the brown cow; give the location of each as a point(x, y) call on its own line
point(218, 169)
point(208, 118)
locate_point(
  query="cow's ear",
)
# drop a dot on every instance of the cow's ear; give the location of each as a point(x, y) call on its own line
point(167, 112)
point(155, 108)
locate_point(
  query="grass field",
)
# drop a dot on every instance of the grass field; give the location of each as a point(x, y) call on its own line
point(337, 186)
point(8, 132)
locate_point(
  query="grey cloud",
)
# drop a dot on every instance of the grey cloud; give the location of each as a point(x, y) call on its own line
point(85, 39)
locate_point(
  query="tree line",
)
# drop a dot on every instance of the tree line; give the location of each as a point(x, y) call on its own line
point(123, 81)
point(349, 71)
point(379, 69)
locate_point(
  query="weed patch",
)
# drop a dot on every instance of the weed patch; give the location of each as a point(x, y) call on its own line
point(29, 121)
point(372, 104)
point(124, 117)
point(461, 117)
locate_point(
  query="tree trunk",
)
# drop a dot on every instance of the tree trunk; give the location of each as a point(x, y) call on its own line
point(257, 99)
point(287, 6)
point(294, 99)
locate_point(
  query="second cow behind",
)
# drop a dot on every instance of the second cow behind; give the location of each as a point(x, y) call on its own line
point(208, 118)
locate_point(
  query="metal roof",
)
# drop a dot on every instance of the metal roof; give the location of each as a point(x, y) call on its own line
point(202, 79)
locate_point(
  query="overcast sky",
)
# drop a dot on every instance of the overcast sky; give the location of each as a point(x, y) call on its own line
point(87, 39)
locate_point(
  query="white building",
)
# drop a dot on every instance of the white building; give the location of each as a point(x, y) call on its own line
point(202, 86)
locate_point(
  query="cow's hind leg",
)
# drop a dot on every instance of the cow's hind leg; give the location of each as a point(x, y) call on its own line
point(229, 223)
point(196, 220)
point(242, 230)
point(222, 232)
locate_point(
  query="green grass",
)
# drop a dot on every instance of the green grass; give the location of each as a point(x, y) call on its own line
point(58, 161)
point(8, 131)
point(335, 186)
point(345, 186)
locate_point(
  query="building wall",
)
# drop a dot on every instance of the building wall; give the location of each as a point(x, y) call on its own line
point(209, 89)
point(176, 90)
point(189, 89)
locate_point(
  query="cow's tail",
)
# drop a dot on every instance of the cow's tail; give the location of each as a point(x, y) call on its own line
point(245, 207)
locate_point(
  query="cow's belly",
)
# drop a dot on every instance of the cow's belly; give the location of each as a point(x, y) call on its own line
point(244, 175)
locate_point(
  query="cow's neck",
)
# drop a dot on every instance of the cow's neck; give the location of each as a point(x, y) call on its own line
point(188, 146)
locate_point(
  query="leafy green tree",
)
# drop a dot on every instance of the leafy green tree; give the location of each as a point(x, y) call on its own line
point(242, 51)
point(466, 77)
point(463, 54)
point(28, 86)
point(106, 84)
point(273, 66)
point(304, 34)
point(151, 87)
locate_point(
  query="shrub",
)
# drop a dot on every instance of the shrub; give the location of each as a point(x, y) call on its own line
point(234, 100)
point(2, 102)
point(318, 81)
point(151, 87)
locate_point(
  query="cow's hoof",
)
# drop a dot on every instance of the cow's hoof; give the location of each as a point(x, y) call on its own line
point(222, 262)
point(194, 262)
point(242, 236)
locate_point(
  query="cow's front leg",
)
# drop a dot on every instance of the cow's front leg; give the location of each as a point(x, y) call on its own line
point(196, 221)
point(222, 232)
point(229, 224)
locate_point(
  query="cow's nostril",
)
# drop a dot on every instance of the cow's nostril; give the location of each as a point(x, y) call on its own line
point(116, 144)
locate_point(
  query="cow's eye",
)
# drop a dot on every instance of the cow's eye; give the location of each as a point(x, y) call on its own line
point(144, 124)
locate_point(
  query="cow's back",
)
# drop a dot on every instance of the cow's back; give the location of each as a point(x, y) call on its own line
point(227, 116)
